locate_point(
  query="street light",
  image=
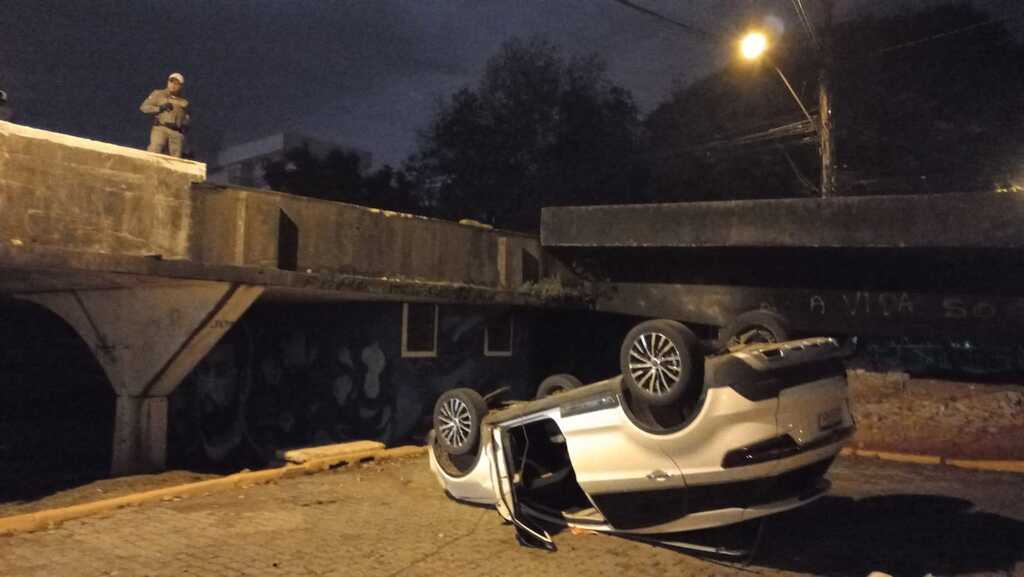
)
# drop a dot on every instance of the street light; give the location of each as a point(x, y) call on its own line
point(754, 46)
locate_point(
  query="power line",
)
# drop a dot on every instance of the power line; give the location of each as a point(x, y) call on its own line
point(692, 29)
point(947, 33)
point(797, 172)
point(798, 132)
point(855, 58)
point(801, 14)
point(791, 130)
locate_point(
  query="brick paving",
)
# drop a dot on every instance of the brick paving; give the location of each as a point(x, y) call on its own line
point(391, 518)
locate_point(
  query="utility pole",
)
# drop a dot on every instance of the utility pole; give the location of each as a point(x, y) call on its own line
point(826, 140)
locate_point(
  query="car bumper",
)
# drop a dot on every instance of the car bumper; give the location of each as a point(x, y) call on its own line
point(732, 495)
point(729, 502)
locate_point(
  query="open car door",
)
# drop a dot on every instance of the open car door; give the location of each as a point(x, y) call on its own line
point(528, 532)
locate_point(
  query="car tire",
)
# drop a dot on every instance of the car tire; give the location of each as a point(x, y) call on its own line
point(754, 327)
point(457, 417)
point(657, 359)
point(556, 384)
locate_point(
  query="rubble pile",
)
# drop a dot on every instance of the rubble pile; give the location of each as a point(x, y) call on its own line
point(896, 412)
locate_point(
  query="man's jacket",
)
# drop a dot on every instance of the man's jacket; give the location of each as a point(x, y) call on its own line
point(176, 117)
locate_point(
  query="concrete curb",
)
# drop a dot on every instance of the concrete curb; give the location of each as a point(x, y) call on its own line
point(976, 464)
point(40, 520)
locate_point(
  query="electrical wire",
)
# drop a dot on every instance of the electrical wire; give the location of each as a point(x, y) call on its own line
point(803, 180)
point(791, 130)
point(796, 133)
point(945, 34)
point(692, 29)
point(801, 13)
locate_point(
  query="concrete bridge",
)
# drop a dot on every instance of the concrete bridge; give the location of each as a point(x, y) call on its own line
point(151, 266)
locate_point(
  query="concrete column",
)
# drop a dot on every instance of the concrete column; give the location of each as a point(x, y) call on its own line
point(503, 262)
point(140, 435)
point(147, 339)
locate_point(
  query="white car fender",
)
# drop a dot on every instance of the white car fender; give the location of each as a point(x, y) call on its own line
point(640, 463)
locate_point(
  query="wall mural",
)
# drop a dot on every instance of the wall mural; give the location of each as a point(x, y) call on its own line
point(325, 375)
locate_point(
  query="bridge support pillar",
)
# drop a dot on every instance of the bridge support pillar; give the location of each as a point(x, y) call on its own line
point(140, 435)
point(147, 339)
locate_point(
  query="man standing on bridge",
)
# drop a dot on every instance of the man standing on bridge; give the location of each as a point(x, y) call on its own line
point(170, 116)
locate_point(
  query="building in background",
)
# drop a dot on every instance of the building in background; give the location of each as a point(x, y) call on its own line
point(242, 164)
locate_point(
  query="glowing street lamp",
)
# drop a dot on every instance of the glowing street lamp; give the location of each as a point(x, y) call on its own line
point(753, 45)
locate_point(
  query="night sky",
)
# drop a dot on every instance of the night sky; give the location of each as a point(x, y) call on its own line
point(366, 73)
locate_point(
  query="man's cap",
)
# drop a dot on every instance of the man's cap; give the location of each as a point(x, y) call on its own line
point(177, 76)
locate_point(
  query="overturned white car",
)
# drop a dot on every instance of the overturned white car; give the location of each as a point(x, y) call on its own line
point(678, 442)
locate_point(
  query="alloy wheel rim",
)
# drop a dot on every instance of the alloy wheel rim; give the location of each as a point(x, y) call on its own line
point(456, 422)
point(655, 363)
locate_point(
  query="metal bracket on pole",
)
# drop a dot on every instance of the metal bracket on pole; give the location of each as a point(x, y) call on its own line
point(785, 81)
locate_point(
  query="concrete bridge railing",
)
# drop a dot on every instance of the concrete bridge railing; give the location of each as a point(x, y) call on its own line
point(68, 192)
point(71, 193)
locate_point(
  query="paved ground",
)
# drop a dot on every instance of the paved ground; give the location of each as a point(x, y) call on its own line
point(392, 519)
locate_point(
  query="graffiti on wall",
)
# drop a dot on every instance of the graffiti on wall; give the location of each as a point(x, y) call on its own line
point(272, 384)
point(862, 302)
point(891, 304)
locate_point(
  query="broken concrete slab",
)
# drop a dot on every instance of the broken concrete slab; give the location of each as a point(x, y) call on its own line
point(306, 454)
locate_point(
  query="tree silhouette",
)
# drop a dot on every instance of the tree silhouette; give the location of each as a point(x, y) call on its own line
point(338, 176)
point(537, 130)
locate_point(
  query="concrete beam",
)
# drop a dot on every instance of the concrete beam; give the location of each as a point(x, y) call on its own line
point(26, 269)
point(221, 318)
point(959, 221)
point(147, 339)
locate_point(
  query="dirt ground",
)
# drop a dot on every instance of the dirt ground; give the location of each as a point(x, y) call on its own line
point(972, 420)
point(99, 490)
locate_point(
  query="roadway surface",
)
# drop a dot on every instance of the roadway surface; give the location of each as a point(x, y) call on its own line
point(391, 518)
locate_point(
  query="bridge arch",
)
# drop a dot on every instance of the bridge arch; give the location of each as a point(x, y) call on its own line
point(56, 405)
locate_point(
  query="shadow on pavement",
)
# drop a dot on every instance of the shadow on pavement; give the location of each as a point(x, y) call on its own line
point(20, 483)
point(898, 534)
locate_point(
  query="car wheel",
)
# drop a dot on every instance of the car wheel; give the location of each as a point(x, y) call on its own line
point(457, 416)
point(754, 327)
point(657, 360)
point(556, 384)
